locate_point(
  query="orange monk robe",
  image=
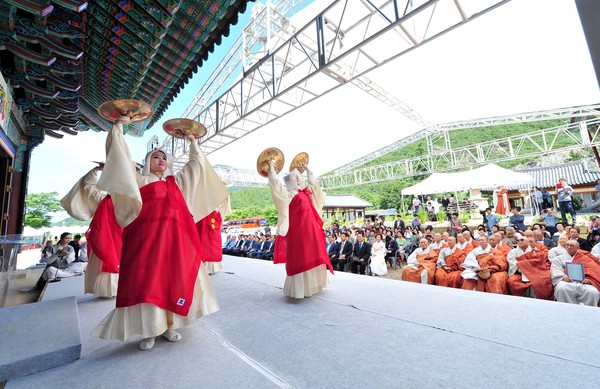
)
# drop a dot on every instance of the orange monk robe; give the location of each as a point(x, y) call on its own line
point(502, 206)
point(452, 278)
point(436, 248)
point(427, 260)
point(504, 248)
point(541, 247)
point(474, 243)
point(467, 248)
point(591, 267)
point(496, 262)
point(536, 267)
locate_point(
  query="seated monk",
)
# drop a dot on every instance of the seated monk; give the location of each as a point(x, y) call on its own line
point(420, 264)
point(461, 243)
point(437, 243)
point(568, 291)
point(485, 269)
point(532, 276)
point(498, 244)
point(539, 245)
point(448, 271)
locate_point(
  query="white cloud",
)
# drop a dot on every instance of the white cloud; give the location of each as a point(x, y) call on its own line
point(523, 56)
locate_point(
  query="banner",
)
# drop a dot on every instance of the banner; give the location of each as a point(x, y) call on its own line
point(5, 104)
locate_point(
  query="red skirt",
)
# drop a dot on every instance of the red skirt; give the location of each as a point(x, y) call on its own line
point(161, 252)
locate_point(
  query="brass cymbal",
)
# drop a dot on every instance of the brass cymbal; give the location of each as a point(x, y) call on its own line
point(299, 161)
point(262, 163)
point(135, 110)
point(181, 127)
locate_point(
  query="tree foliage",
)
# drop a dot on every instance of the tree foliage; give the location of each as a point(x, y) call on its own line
point(251, 202)
point(39, 206)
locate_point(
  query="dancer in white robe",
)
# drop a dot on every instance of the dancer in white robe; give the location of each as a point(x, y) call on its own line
point(81, 203)
point(201, 190)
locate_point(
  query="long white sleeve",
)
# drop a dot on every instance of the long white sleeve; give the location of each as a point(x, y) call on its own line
point(82, 200)
point(200, 185)
point(281, 198)
point(119, 177)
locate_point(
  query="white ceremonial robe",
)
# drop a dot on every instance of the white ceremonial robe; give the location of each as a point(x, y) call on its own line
point(378, 265)
point(81, 203)
point(203, 192)
point(571, 292)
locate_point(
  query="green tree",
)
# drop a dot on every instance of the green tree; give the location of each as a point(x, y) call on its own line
point(39, 206)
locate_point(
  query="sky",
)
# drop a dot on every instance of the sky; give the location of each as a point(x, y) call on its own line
point(526, 55)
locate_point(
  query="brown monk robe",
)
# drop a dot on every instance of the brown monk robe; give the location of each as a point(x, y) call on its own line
point(421, 264)
point(534, 265)
point(449, 261)
point(538, 245)
point(503, 247)
point(462, 244)
point(479, 262)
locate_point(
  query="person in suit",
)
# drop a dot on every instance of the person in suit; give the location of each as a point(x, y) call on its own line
point(340, 258)
point(258, 249)
point(239, 248)
point(332, 245)
point(583, 243)
point(399, 224)
point(268, 254)
point(361, 254)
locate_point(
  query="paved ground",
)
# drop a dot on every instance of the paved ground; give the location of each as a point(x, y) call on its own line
point(361, 332)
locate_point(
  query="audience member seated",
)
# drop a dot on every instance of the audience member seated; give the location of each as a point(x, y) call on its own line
point(378, 251)
point(232, 244)
point(340, 259)
point(61, 263)
point(509, 237)
point(583, 243)
point(541, 239)
point(258, 251)
point(239, 247)
point(268, 254)
point(421, 264)
point(496, 241)
point(391, 248)
point(360, 255)
point(332, 245)
point(565, 289)
point(532, 271)
point(485, 269)
point(462, 244)
point(449, 271)
point(517, 220)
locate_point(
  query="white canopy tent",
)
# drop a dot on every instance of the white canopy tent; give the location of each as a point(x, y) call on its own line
point(485, 177)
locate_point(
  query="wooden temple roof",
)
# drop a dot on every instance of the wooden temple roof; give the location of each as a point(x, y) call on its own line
point(63, 58)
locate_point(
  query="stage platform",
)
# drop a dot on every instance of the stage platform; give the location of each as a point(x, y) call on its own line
point(361, 332)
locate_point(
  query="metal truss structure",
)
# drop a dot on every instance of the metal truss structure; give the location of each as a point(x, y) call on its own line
point(572, 136)
point(340, 45)
point(426, 133)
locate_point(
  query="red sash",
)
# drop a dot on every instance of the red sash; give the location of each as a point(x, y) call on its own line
point(209, 232)
point(305, 238)
point(161, 252)
point(104, 236)
point(279, 250)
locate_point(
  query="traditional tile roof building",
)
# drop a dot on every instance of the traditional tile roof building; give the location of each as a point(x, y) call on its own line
point(578, 174)
point(344, 207)
point(60, 59)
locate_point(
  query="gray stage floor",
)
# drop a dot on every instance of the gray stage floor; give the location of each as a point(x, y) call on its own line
point(361, 332)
